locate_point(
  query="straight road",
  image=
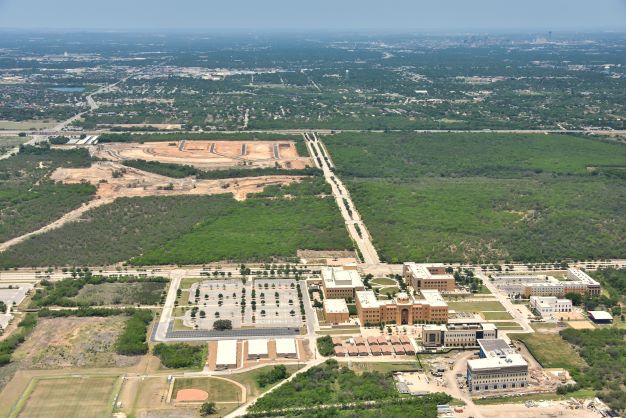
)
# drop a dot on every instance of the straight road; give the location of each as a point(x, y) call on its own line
point(354, 223)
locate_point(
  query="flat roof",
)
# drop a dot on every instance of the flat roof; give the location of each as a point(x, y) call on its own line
point(494, 346)
point(433, 297)
point(285, 346)
point(497, 363)
point(226, 352)
point(335, 306)
point(367, 299)
point(257, 347)
point(337, 277)
point(601, 315)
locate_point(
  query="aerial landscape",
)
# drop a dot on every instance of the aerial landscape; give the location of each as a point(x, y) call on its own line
point(329, 210)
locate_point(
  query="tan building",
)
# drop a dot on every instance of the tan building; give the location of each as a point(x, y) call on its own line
point(402, 309)
point(458, 334)
point(340, 283)
point(336, 311)
point(428, 276)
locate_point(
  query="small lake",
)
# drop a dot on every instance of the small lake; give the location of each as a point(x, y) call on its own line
point(68, 89)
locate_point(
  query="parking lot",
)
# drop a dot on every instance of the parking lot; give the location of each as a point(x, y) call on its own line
point(258, 303)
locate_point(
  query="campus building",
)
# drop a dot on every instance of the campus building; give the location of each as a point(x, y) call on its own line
point(576, 281)
point(458, 334)
point(428, 276)
point(336, 311)
point(402, 309)
point(548, 305)
point(340, 282)
point(498, 368)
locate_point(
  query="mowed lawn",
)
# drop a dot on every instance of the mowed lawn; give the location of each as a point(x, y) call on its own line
point(219, 390)
point(476, 306)
point(72, 397)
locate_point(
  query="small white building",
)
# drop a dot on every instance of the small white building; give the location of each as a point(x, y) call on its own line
point(257, 349)
point(548, 305)
point(226, 354)
point(286, 347)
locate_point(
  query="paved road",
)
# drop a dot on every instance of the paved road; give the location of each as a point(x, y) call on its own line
point(353, 220)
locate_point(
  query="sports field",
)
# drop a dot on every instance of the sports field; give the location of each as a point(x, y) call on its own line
point(219, 390)
point(69, 397)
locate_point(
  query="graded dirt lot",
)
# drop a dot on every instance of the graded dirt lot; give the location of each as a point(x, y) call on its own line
point(207, 155)
point(581, 324)
point(70, 397)
point(115, 180)
point(58, 343)
point(546, 409)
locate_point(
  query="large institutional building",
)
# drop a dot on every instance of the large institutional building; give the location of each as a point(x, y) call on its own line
point(341, 282)
point(403, 309)
point(498, 368)
point(459, 334)
point(577, 281)
point(428, 276)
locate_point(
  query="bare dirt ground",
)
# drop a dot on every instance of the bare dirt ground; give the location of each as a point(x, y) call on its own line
point(115, 180)
point(581, 324)
point(59, 343)
point(207, 154)
point(547, 409)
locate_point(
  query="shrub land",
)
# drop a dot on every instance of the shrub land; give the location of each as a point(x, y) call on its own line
point(486, 197)
point(192, 230)
point(29, 200)
point(180, 355)
point(133, 341)
point(328, 384)
point(605, 352)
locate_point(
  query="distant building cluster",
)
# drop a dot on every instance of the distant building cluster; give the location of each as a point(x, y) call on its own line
point(577, 281)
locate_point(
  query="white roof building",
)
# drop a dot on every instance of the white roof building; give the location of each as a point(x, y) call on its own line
point(335, 306)
point(226, 353)
point(257, 348)
point(286, 347)
point(337, 277)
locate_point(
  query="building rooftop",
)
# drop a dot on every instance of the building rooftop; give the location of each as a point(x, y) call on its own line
point(581, 276)
point(367, 299)
point(337, 277)
point(421, 271)
point(495, 347)
point(257, 347)
point(433, 297)
point(601, 315)
point(285, 346)
point(226, 352)
point(496, 363)
point(335, 306)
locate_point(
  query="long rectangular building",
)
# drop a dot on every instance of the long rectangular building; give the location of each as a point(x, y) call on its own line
point(402, 309)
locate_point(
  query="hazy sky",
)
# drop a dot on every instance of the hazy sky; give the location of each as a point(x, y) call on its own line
point(448, 15)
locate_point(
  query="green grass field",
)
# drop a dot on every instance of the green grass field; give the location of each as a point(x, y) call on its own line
point(485, 197)
point(219, 390)
point(478, 306)
point(490, 316)
point(551, 350)
point(383, 281)
point(384, 367)
point(71, 397)
point(579, 394)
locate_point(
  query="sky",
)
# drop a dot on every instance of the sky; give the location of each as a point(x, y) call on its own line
point(303, 15)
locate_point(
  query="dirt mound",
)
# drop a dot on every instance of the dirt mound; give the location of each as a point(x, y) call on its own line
point(191, 395)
